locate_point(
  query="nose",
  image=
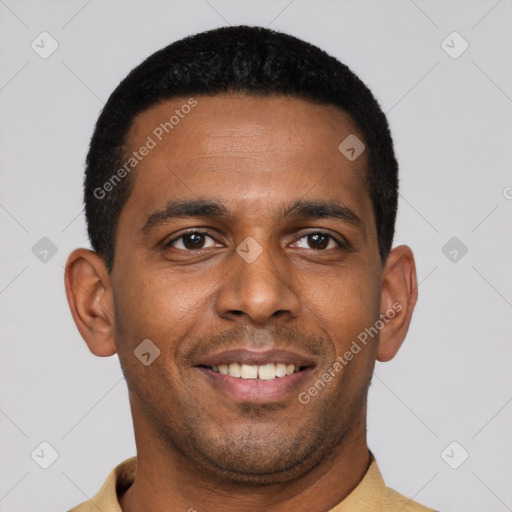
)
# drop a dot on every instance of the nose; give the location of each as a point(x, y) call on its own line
point(258, 290)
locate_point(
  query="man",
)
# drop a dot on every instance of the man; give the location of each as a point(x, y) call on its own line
point(241, 193)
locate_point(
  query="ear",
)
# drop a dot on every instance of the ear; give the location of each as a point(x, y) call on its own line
point(90, 300)
point(398, 298)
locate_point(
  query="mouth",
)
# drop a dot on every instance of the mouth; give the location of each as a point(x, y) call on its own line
point(268, 371)
point(257, 377)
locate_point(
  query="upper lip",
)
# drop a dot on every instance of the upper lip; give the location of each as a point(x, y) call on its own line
point(255, 358)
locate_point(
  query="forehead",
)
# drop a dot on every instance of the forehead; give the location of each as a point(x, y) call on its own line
point(228, 121)
point(250, 149)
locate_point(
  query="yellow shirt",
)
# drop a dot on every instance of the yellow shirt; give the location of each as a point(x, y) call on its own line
point(370, 495)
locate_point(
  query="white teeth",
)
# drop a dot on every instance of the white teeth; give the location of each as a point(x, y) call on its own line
point(262, 372)
point(249, 372)
point(267, 371)
point(280, 370)
point(235, 370)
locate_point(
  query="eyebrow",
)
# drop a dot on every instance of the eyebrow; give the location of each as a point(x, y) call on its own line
point(212, 209)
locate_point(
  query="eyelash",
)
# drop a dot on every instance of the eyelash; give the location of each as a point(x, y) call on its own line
point(341, 245)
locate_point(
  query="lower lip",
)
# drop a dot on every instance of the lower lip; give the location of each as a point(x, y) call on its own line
point(258, 391)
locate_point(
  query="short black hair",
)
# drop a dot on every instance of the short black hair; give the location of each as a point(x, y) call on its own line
point(243, 59)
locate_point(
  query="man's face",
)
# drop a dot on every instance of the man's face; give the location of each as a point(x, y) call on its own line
point(252, 286)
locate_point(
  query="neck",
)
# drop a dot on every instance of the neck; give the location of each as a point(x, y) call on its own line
point(165, 481)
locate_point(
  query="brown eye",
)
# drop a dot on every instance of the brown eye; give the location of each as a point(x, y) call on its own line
point(193, 240)
point(320, 241)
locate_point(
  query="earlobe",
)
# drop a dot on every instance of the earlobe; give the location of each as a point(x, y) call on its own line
point(398, 298)
point(89, 297)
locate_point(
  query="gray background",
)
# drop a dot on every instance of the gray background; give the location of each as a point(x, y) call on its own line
point(451, 122)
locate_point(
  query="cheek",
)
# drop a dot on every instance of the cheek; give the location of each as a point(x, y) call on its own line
point(348, 302)
point(160, 309)
point(350, 309)
point(153, 303)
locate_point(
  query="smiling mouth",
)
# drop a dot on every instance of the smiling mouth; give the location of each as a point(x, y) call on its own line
point(257, 376)
point(269, 371)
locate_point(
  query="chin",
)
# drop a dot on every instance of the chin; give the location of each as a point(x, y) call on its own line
point(251, 460)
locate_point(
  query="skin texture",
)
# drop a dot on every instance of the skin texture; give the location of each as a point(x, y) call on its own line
point(198, 447)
